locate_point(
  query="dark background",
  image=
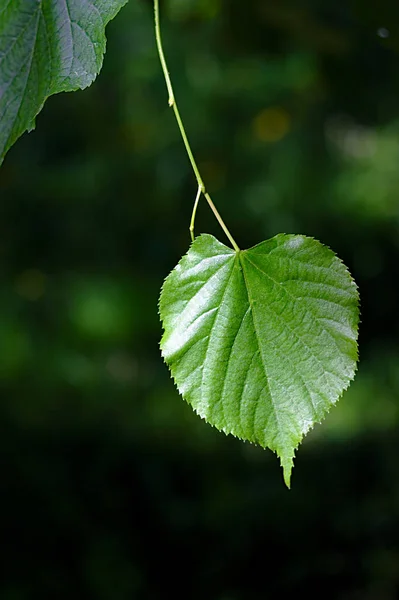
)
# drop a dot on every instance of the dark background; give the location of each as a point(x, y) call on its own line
point(111, 487)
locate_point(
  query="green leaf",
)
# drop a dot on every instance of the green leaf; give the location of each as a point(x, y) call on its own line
point(46, 47)
point(262, 342)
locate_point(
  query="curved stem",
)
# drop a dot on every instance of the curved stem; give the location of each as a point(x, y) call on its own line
point(172, 103)
point(194, 213)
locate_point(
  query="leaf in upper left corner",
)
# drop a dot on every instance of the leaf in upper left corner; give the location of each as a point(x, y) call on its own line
point(46, 47)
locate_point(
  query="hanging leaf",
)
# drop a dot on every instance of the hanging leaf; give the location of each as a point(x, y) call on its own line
point(264, 341)
point(46, 47)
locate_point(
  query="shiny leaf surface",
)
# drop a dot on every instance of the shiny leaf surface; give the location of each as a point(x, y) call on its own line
point(262, 342)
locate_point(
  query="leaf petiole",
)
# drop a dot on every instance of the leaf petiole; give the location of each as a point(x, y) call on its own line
point(173, 104)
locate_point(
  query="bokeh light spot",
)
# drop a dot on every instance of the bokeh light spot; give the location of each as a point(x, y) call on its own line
point(383, 32)
point(271, 124)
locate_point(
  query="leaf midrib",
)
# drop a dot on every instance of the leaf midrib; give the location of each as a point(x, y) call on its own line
point(251, 304)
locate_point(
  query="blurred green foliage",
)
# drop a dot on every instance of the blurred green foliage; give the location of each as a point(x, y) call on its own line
point(111, 487)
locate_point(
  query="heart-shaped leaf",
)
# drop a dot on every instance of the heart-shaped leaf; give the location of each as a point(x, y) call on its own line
point(261, 342)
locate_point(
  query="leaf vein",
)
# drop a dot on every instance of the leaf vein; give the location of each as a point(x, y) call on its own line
point(16, 39)
point(211, 333)
point(299, 338)
point(28, 71)
point(230, 353)
point(250, 300)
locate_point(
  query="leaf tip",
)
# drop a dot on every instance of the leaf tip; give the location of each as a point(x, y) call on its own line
point(287, 465)
point(287, 479)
